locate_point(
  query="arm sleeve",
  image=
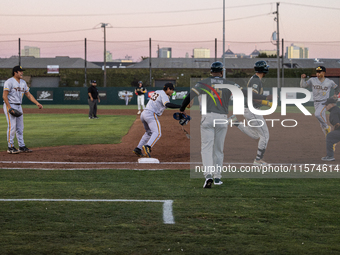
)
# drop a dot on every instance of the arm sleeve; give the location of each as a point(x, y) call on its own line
point(171, 105)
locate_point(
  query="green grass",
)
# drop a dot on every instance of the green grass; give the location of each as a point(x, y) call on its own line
point(43, 130)
point(290, 109)
point(243, 216)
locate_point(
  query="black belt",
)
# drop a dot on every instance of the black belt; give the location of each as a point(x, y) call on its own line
point(15, 104)
point(318, 101)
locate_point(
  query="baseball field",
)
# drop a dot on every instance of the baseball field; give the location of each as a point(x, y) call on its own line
point(82, 191)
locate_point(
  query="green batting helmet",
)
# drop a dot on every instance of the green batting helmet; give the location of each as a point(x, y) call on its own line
point(261, 66)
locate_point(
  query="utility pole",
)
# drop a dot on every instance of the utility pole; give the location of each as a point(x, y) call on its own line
point(85, 83)
point(215, 49)
point(278, 44)
point(223, 39)
point(150, 78)
point(19, 53)
point(283, 67)
point(103, 25)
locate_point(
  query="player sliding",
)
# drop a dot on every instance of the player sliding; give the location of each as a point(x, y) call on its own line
point(159, 101)
point(321, 87)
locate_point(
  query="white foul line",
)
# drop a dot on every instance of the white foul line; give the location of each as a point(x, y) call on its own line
point(168, 217)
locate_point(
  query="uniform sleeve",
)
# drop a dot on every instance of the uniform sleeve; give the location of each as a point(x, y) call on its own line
point(255, 85)
point(7, 86)
point(304, 83)
point(26, 88)
point(165, 98)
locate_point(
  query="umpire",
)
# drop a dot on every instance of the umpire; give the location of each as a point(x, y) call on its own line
point(93, 99)
point(333, 137)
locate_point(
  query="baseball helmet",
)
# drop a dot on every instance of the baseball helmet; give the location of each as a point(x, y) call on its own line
point(140, 82)
point(261, 66)
point(216, 67)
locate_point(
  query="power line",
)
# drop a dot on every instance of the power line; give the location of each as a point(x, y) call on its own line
point(313, 6)
point(56, 32)
point(128, 13)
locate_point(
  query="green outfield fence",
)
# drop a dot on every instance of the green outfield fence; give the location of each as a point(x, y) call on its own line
point(108, 95)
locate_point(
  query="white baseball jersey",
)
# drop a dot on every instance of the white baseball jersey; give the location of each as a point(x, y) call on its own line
point(320, 89)
point(15, 90)
point(157, 102)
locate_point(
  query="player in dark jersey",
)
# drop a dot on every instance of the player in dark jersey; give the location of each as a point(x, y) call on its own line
point(213, 136)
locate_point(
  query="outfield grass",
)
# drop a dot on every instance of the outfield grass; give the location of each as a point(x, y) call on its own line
point(290, 109)
point(44, 130)
point(243, 216)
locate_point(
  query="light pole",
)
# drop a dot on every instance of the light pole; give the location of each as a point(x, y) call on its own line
point(103, 25)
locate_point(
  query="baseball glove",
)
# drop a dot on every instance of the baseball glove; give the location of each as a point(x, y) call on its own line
point(14, 112)
point(183, 119)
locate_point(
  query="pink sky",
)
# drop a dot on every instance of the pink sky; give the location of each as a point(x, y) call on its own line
point(133, 22)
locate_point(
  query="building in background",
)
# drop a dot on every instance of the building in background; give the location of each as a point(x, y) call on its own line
point(297, 51)
point(165, 53)
point(28, 51)
point(229, 54)
point(201, 53)
point(268, 52)
point(108, 56)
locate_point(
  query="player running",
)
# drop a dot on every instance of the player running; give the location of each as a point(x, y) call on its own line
point(321, 87)
point(213, 136)
point(159, 101)
point(260, 129)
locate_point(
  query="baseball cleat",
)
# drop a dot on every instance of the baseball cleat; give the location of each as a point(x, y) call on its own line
point(138, 112)
point(12, 150)
point(147, 151)
point(208, 182)
point(90, 118)
point(24, 149)
point(327, 130)
point(217, 181)
point(260, 162)
point(328, 158)
point(138, 152)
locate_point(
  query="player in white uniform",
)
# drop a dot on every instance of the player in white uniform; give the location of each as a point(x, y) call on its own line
point(159, 101)
point(140, 91)
point(321, 87)
point(14, 90)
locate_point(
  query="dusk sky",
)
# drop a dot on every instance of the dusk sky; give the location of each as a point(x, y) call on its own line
point(182, 25)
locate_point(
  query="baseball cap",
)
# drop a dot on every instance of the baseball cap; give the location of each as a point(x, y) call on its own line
point(93, 81)
point(320, 69)
point(140, 82)
point(169, 85)
point(331, 100)
point(17, 68)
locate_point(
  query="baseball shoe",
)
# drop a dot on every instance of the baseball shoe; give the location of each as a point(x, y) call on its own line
point(90, 118)
point(328, 158)
point(24, 149)
point(95, 117)
point(208, 182)
point(217, 181)
point(12, 150)
point(233, 120)
point(147, 151)
point(138, 112)
point(138, 152)
point(260, 162)
point(327, 130)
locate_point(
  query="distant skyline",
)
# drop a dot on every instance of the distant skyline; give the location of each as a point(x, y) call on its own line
point(181, 25)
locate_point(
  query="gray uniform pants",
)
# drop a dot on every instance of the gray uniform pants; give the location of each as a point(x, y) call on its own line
point(331, 140)
point(212, 143)
point(257, 129)
point(152, 129)
point(15, 126)
point(93, 107)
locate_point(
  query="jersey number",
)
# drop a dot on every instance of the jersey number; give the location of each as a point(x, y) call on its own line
point(154, 96)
